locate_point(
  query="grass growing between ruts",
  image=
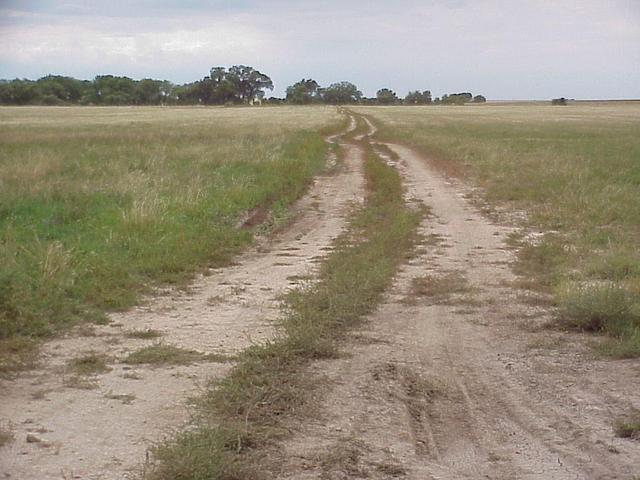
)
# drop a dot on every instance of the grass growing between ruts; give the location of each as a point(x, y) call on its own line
point(96, 204)
point(245, 411)
point(575, 171)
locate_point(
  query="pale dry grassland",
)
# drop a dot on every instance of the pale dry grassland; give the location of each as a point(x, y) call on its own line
point(575, 171)
point(97, 204)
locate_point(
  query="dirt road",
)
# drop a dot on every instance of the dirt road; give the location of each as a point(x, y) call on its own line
point(454, 378)
point(100, 427)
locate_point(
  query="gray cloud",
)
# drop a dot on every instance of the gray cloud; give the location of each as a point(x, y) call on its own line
point(504, 49)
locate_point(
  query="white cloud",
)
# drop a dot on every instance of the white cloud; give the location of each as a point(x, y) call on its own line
point(503, 48)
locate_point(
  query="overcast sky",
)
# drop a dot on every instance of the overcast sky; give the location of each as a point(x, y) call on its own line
point(504, 49)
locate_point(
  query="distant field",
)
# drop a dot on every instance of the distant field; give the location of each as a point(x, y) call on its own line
point(96, 204)
point(575, 170)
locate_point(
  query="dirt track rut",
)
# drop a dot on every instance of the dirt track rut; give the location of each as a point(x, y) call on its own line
point(103, 432)
point(462, 382)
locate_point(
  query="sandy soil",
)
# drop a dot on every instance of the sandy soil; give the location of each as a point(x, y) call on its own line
point(104, 431)
point(464, 383)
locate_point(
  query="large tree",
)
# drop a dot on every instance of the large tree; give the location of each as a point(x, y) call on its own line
point(418, 98)
point(341, 93)
point(303, 92)
point(386, 96)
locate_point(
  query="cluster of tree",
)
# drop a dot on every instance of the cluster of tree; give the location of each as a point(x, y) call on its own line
point(308, 91)
point(235, 85)
point(559, 101)
point(460, 99)
point(103, 90)
point(238, 84)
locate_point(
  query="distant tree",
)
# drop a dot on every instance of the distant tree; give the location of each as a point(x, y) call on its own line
point(248, 82)
point(303, 92)
point(479, 99)
point(418, 98)
point(112, 90)
point(153, 92)
point(457, 98)
point(559, 101)
point(386, 96)
point(238, 84)
point(341, 93)
point(65, 89)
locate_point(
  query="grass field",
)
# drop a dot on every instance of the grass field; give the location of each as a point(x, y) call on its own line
point(575, 171)
point(97, 204)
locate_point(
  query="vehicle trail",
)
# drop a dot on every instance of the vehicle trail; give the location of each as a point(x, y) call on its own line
point(454, 378)
point(103, 430)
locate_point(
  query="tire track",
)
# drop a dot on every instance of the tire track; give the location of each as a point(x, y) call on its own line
point(103, 432)
point(480, 403)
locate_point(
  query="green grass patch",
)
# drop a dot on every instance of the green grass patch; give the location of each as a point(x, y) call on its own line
point(574, 171)
point(270, 384)
point(96, 205)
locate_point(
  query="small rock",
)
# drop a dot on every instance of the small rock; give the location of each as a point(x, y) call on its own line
point(31, 438)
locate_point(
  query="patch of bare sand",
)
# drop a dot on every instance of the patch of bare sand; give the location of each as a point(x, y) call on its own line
point(465, 385)
point(104, 430)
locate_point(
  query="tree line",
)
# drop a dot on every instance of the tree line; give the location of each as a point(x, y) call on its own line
point(239, 84)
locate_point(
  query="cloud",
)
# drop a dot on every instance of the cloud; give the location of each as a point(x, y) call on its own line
point(502, 48)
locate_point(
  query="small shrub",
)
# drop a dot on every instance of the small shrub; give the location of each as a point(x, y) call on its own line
point(161, 354)
point(6, 435)
point(598, 308)
point(147, 334)
point(91, 363)
point(628, 427)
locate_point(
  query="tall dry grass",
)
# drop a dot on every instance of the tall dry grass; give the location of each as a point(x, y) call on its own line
point(97, 204)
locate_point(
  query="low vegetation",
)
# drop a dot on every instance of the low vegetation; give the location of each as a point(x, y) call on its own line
point(437, 289)
point(164, 354)
point(575, 172)
point(629, 426)
point(97, 204)
point(90, 363)
point(6, 434)
point(147, 334)
point(270, 384)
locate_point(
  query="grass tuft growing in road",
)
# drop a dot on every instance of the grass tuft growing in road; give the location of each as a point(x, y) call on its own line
point(246, 410)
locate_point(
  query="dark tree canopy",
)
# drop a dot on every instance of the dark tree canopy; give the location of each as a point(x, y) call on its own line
point(341, 93)
point(479, 99)
point(303, 92)
point(386, 96)
point(456, 98)
point(238, 84)
point(418, 98)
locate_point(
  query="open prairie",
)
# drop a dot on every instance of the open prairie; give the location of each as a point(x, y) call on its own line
point(574, 173)
point(98, 204)
point(421, 301)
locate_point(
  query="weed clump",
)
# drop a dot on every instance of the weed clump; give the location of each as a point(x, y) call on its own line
point(604, 307)
point(147, 334)
point(91, 363)
point(628, 427)
point(162, 354)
